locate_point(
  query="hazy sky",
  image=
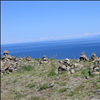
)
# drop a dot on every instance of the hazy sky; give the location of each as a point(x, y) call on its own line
point(26, 21)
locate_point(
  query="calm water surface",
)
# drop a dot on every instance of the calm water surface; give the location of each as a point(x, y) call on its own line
point(54, 49)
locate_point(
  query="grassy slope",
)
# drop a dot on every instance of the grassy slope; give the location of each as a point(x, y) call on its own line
point(30, 83)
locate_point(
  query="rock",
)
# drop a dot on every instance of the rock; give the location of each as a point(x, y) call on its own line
point(72, 71)
point(28, 58)
point(95, 69)
point(6, 52)
point(68, 68)
point(56, 71)
point(63, 67)
point(67, 65)
point(19, 58)
point(50, 85)
point(94, 98)
point(96, 73)
point(93, 57)
point(86, 77)
point(79, 65)
point(97, 92)
point(60, 62)
point(44, 59)
point(83, 57)
point(8, 63)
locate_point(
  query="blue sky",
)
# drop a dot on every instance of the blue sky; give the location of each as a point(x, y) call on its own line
point(29, 21)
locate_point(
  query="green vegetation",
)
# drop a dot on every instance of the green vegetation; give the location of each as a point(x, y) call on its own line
point(52, 72)
point(31, 85)
point(62, 90)
point(44, 86)
point(75, 75)
point(31, 82)
point(62, 83)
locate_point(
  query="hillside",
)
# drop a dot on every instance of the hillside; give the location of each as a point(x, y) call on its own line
point(34, 81)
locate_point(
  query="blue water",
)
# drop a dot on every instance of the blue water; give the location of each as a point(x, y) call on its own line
point(54, 49)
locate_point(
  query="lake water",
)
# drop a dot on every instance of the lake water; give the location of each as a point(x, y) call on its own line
point(54, 49)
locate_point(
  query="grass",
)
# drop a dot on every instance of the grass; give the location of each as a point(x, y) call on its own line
point(18, 95)
point(62, 90)
point(44, 86)
point(15, 81)
point(75, 75)
point(33, 79)
point(62, 83)
point(54, 89)
point(31, 85)
point(52, 72)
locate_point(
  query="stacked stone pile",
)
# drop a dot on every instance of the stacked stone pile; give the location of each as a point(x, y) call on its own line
point(95, 69)
point(93, 57)
point(67, 66)
point(44, 59)
point(8, 63)
point(28, 58)
point(83, 57)
point(19, 58)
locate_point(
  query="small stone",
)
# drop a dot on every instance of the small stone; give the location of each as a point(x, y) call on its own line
point(96, 73)
point(68, 68)
point(72, 71)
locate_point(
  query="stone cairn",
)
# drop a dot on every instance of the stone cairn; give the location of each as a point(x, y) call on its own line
point(28, 58)
point(67, 66)
point(95, 69)
point(8, 63)
point(93, 57)
point(83, 57)
point(44, 59)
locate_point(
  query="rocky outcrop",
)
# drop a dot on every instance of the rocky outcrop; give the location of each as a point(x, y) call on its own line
point(8, 63)
point(95, 69)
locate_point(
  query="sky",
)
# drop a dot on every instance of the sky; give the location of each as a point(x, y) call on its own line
point(30, 21)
